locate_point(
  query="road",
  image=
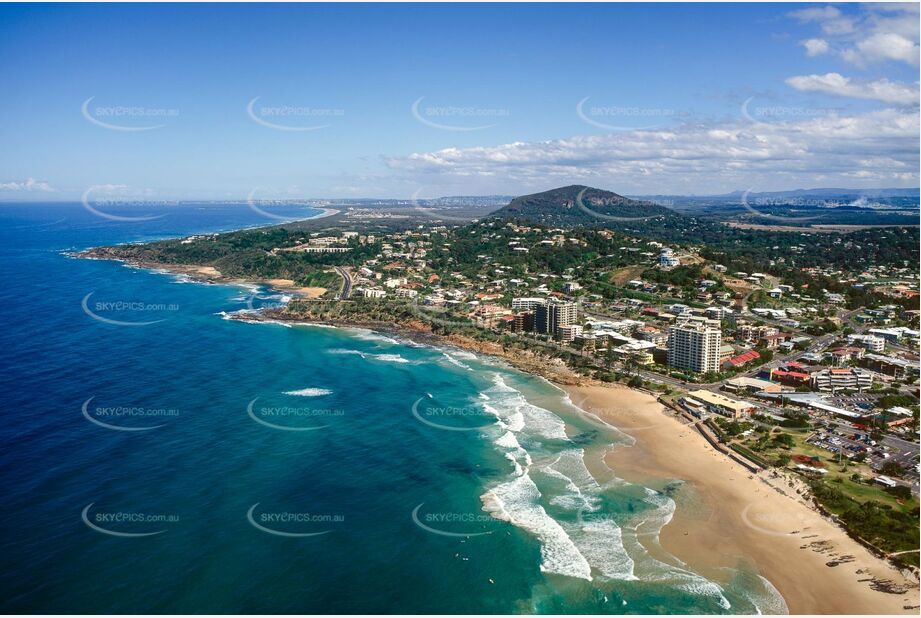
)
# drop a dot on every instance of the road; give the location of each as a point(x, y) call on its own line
point(346, 290)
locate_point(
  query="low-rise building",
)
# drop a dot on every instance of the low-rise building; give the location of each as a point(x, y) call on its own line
point(742, 359)
point(721, 404)
point(372, 293)
point(790, 376)
point(569, 332)
point(872, 343)
point(889, 365)
point(752, 385)
point(842, 378)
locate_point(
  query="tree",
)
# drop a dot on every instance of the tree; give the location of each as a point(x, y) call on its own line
point(784, 440)
point(891, 468)
point(900, 491)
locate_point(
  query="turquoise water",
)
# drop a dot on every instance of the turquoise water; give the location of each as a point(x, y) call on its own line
point(159, 457)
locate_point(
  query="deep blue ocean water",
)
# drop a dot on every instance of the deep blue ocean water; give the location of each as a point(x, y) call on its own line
point(157, 457)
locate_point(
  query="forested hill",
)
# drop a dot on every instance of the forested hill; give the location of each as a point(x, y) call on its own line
point(580, 205)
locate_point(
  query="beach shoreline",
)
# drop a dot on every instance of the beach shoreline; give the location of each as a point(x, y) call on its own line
point(758, 517)
point(765, 519)
point(745, 517)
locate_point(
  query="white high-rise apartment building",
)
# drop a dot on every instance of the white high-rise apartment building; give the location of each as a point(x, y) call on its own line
point(694, 346)
point(527, 304)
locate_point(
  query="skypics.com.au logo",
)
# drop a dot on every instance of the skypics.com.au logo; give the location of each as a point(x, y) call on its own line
point(128, 118)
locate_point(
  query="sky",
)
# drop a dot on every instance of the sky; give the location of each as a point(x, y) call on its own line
point(227, 101)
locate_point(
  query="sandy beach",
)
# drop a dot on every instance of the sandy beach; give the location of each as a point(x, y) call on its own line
point(739, 516)
point(287, 285)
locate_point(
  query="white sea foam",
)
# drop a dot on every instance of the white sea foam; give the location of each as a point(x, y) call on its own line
point(387, 358)
point(573, 499)
point(654, 521)
point(451, 359)
point(391, 358)
point(507, 440)
point(770, 601)
point(599, 539)
point(346, 351)
point(516, 502)
point(253, 288)
point(310, 392)
point(651, 570)
point(370, 335)
point(586, 542)
point(507, 400)
point(512, 419)
point(235, 316)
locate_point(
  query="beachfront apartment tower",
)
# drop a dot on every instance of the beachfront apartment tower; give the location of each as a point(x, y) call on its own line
point(527, 304)
point(551, 317)
point(694, 346)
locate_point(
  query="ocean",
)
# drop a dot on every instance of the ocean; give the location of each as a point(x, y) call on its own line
point(159, 457)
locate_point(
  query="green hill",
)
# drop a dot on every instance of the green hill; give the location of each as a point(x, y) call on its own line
point(581, 205)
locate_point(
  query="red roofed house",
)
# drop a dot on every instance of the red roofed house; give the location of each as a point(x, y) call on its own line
point(741, 359)
point(793, 378)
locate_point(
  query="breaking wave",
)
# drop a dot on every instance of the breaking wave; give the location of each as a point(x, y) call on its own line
point(309, 392)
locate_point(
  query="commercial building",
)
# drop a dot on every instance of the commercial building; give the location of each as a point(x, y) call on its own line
point(586, 343)
point(841, 378)
point(892, 335)
point(752, 385)
point(813, 401)
point(890, 365)
point(694, 346)
point(721, 404)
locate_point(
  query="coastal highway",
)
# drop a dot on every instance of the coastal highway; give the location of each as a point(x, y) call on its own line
point(346, 290)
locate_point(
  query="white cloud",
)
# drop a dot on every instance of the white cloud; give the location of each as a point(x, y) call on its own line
point(880, 145)
point(869, 34)
point(30, 184)
point(829, 18)
point(875, 33)
point(882, 46)
point(815, 47)
point(879, 90)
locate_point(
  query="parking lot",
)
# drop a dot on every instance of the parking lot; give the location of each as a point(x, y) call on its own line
point(862, 401)
point(837, 443)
